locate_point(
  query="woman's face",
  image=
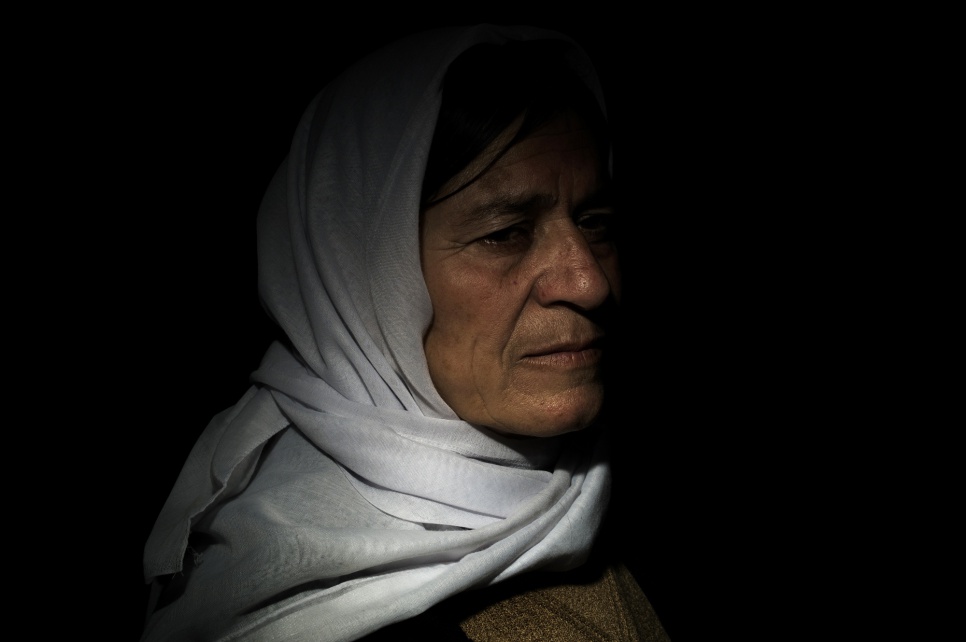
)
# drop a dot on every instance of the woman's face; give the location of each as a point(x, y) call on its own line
point(516, 264)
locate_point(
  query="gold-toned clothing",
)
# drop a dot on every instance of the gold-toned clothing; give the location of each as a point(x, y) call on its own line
point(611, 608)
point(595, 603)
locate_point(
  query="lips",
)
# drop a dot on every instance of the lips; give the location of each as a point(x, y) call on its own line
point(575, 345)
point(582, 352)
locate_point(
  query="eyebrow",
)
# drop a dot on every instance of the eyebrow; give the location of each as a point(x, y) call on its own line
point(503, 205)
point(514, 204)
point(603, 196)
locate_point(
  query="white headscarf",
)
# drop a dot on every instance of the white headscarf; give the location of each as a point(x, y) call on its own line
point(341, 493)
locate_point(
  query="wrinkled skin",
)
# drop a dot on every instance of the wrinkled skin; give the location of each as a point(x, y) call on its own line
point(517, 264)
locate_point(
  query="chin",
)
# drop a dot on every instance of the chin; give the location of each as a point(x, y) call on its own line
point(554, 415)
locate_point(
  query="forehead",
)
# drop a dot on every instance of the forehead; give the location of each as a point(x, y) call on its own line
point(564, 144)
point(558, 165)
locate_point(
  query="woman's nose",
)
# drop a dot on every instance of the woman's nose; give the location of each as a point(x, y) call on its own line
point(571, 272)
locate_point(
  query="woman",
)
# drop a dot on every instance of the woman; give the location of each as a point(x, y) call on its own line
point(425, 448)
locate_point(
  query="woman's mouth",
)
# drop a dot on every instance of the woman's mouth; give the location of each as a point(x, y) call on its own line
point(568, 354)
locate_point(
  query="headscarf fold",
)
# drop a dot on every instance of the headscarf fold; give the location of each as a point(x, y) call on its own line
point(341, 493)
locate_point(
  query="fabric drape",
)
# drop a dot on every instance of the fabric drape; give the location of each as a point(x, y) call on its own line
point(341, 493)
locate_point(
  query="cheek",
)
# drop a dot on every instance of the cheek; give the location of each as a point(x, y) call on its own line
point(612, 271)
point(470, 301)
point(461, 346)
point(456, 294)
point(474, 318)
point(449, 342)
point(609, 262)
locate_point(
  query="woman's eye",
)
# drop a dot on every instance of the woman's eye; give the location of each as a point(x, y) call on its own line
point(509, 238)
point(597, 226)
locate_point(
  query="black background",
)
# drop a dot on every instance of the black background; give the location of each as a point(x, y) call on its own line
point(174, 131)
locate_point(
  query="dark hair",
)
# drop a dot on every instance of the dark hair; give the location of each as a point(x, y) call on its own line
point(487, 87)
